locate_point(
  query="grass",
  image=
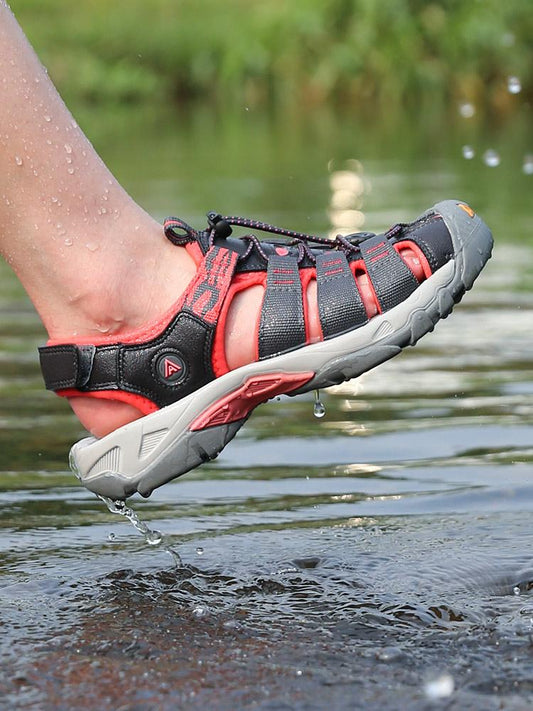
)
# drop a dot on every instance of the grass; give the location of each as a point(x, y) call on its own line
point(377, 53)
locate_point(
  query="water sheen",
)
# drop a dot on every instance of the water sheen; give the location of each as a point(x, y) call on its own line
point(377, 557)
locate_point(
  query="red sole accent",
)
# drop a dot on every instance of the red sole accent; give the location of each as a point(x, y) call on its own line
point(257, 389)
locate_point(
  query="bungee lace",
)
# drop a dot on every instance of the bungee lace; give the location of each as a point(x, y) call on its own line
point(220, 227)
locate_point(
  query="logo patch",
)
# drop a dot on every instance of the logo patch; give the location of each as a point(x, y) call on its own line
point(467, 209)
point(170, 368)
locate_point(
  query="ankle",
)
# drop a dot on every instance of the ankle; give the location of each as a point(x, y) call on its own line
point(125, 284)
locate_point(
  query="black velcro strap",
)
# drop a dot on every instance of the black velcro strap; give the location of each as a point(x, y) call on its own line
point(282, 325)
point(391, 278)
point(66, 366)
point(340, 306)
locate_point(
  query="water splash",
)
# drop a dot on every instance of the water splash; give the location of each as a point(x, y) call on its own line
point(152, 537)
point(318, 407)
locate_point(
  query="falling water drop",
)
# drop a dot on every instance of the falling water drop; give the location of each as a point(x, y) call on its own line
point(199, 551)
point(527, 165)
point(468, 152)
point(153, 538)
point(318, 408)
point(514, 85)
point(516, 590)
point(466, 109)
point(491, 158)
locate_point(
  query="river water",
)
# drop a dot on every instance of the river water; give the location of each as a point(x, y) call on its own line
point(377, 558)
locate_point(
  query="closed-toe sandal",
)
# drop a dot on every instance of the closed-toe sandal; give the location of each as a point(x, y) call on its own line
point(175, 371)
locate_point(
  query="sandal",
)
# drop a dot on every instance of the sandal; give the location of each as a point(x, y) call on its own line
point(175, 371)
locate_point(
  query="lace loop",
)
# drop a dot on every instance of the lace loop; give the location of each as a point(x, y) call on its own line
point(178, 231)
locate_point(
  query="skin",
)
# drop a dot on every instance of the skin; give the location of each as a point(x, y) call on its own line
point(77, 241)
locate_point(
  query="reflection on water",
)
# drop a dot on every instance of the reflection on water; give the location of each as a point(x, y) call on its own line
point(377, 557)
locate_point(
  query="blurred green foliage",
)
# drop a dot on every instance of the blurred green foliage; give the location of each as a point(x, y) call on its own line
point(374, 53)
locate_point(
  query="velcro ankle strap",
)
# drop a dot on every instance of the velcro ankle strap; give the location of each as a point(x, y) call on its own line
point(66, 366)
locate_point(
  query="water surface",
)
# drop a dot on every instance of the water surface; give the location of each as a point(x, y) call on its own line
point(375, 558)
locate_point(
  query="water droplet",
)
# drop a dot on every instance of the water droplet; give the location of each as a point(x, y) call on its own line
point(466, 109)
point(18, 160)
point(299, 672)
point(111, 536)
point(199, 551)
point(47, 118)
point(468, 152)
point(92, 246)
point(440, 687)
point(514, 85)
point(68, 148)
point(527, 165)
point(153, 538)
point(516, 590)
point(491, 158)
point(318, 408)
point(199, 611)
point(68, 242)
point(70, 171)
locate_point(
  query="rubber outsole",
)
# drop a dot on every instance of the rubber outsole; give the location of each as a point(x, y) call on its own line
point(157, 448)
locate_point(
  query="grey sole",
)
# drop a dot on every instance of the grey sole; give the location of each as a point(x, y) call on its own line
point(155, 449)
